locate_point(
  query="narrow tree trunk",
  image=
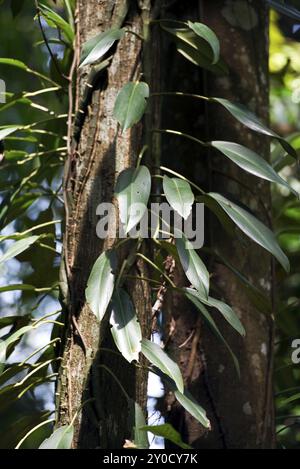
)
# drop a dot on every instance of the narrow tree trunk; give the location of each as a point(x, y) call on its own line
point(95, 162)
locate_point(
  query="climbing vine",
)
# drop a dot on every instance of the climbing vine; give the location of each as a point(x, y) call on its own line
point(106, 292)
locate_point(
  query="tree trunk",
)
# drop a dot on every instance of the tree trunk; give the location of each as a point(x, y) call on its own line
point(100, 154)
point(245, 406)
point(240, 410)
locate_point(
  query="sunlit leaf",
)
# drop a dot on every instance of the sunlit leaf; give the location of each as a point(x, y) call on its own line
point(253, 228)
point(191, 405)
point(194, 268)
point(132, 191)
point(101, 283)
point(126, 329)
point(179, 195)
point(18, 247)
point(250, 120)
point(196, 49)
point(131, 104)
point(97, 46)
point(55, 20)
point(138, 421)
point(209, 36)
point(226, 311)
point(17, 287)
point(61, 438)
point(168, 432)
point(7, 131)
point(21, 65)
point(251, 162)
point(155, 354)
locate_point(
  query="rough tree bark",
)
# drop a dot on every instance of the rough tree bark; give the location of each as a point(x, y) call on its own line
point(95, 162)
point(240, 410)
point(246, 406)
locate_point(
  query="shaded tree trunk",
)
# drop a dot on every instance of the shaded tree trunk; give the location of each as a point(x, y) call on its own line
point(100, 154)
point(240, 410)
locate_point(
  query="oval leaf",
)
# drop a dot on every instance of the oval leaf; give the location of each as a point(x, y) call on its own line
point(179, 195)
point(131, 103)
point(97, 46)
point(253, 228)
point(162, 361)
point(194, 268)
point(7, 131)
point(137, 421)
point(54, 20)
point(250, 120)
point(226, 311)
point(132, 191)
point(61, 438)
point(126, 329)
point(191, 405)
point(250, 162)
point(196, 49)
point(100, 284)
point(16, 248)
point(209, 36)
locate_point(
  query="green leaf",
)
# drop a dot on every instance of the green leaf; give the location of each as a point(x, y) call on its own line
point(191, 405)
point(14, 63)
point(17, 287)
point(4, 344)
point(179, 195)
point(226, 311)
point(250, 162)
point(131, 104)
point(196, 49)
point(126, 329)
point(253, 228)
point(168, 432)
point(140, 438)
point(97, 46)
point(250, 120)
point(209, 36)
point(56, 21)
point(18, 247)
point(194, 298)
point(21, 65)
point(132, 191)
point(8, 320)
point(100, 284)
point(7, 131)
point(194, 268)
point(162, 361)
point(61, 438)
